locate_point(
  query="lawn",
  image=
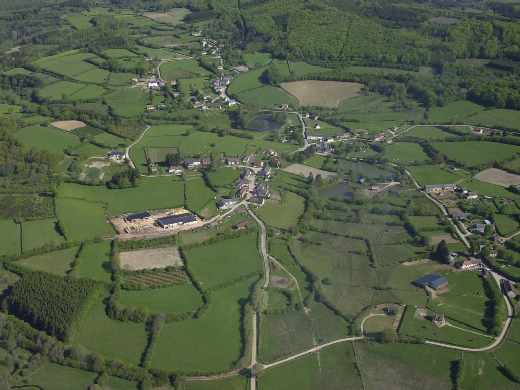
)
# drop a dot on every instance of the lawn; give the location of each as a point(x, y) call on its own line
point(199, 198)
point(82, 220)
point(182, 69)
point(36, 234)
point(113, 339)
point(9, 238)
point(47, 138)
point(424, 223)
point(94, 262)
point(475, 153)
point(150, 194)
point(505, 224)
point(210, 343)
point(224, 261)
point(283, 213)
point(172, 299)
point(51, 376)
point(127, 102)
point(405, 152)
point(455, 112)
point(57, 262)
point(223, 177)
point(433, 174)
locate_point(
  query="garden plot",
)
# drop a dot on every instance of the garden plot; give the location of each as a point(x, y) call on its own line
point(150, 258)
point(68, 125)
point(322, 93)
point(498, 177)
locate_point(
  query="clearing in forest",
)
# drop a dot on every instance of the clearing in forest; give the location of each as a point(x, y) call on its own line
point(322, 93)
point(150, 259)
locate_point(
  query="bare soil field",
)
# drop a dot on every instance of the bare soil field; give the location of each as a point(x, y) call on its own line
point(322, 93)
point(498, 177)
point(150, 259)
point(305, 170)
point(68, 125)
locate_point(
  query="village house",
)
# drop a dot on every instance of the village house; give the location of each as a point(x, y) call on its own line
point(115, 155)
point(439, 188)
point(196, 163)
point(226, 203)
point(242, 187)
point(471, 264)
point(233, 161)
point(478, 228)
point(265, 172)
point(174, 170)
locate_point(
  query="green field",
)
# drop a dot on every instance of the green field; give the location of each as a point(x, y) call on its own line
point(283, 213)
point(150, 194)
point(94, 262)
point(36, 234)
point(223, 177)
point(82, 220)
point(234, 383)
point(429, 133)
point(54, 377)
point(454, 113)
point(9, 238)
point(487, 189)
point(501, 118)
point(199, 198)
point(171, 299)
point(128, 102)
point(67, 90)
point(474, 153)
point(216, 334)
point(434, 174)
point(191, 142)
point(405, 152)
point(47, 138)
point(257, 59)
point(505, 224)
point(182, 69)
point(113, 339)
point(57, 262)
point(424, 223)
point(224, 261)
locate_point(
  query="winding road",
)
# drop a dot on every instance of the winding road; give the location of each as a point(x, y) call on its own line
point(129, 147)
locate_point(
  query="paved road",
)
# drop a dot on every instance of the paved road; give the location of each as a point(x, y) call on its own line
point(129, 147)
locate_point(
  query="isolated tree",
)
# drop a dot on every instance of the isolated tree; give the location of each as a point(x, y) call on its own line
point(442, 253)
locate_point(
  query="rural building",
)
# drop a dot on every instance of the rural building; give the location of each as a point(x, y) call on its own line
point(471, 196)
point(265, 172)
point(471, 264)
point(433, 281)
point(478, 228)
point(457, 214)
point(138, 216)
point(226, 203)
point(439, 188)
point(115, 155)
point(176, 220)
point(196, 163)
point(177, 171)
point(233, 161)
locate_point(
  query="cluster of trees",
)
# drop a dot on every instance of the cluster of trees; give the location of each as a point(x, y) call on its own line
point(495, 306)
point(124, 179)
point(26, 207)
point(50, 303)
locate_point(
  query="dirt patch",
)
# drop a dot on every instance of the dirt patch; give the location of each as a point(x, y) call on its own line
point(68, 125)
point(150, 259)
point(498, 177)
point(280, 282)
point(322, 93)
point(305, 170)
point(99, 164)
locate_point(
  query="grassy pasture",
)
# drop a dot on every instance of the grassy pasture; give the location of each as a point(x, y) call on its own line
point(487, 189)
point(171, 299)
point(79, 21)
point(224, 260)
point(199, 197)
point(216, 332)
point(127, 102)
point(82, 220)
point(405, 152)
point(51, 376)
point(94, 262)
point(69, 64)
point(113, 339)
point(455, 112)
point(284, 213)
point(223, 177)
point(505, 224)
point(9, 237)
point(480, 372)
point(257, 59)
point(433, 174)
point(474, 153)
point(57, 262)
point(36, 234)
point(150, 194)
point(67, 90)
point(182, 69)
point(322, 93)
point(47, 138)
point(119, 53)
